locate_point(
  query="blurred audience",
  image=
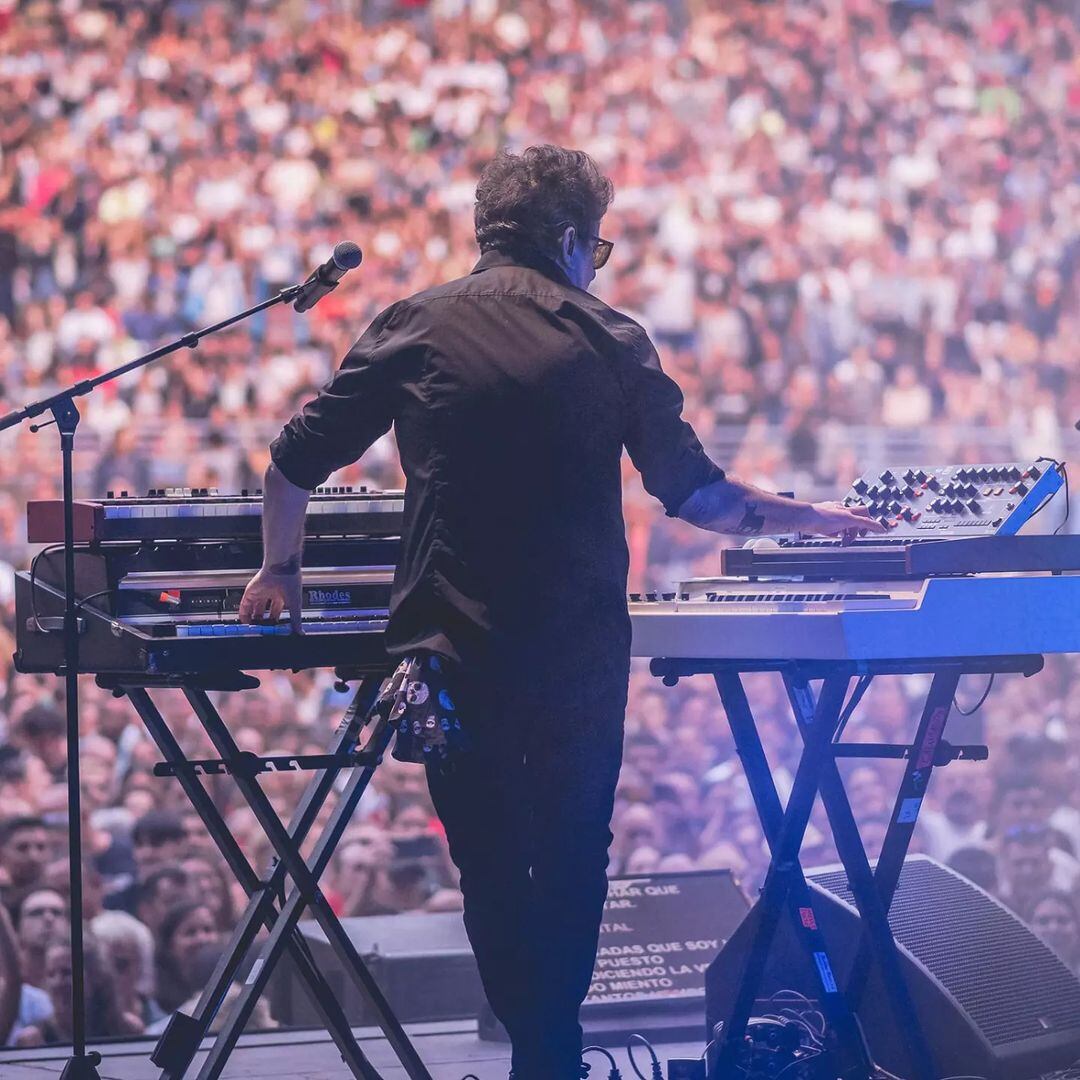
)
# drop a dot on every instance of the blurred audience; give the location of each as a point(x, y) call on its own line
point(851, 229)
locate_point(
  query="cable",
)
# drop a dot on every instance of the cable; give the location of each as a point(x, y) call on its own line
point(33, 582)
point(856, 696)
point(978, 704)
point(657, 1070)
point(1064, 476)
point(614, 1073)
point(1063, 472)
point(93, 596)
point(798, 1062)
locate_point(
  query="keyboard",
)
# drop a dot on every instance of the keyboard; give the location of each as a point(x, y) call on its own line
point(1025, 604)
point(204, 514)
point(161, 579)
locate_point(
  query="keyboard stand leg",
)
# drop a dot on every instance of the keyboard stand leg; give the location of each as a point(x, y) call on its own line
point(905, 815)
point(785, 884)
point(306, 892)
point(181, 1041)
point(876, 938)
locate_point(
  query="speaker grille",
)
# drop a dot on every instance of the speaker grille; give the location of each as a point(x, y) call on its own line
point(1012, 985)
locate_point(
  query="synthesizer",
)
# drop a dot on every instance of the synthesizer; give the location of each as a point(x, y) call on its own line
point(998, 614)
point(204, 514)
point(956, 500)
point(952, 579)
point(160, 589)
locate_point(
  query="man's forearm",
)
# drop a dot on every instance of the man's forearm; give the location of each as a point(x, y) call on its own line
point(284, 509)
point(732, 506)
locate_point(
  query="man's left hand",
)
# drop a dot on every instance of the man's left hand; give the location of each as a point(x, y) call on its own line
point(836, 519)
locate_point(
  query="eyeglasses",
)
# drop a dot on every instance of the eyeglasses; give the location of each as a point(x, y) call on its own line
point(39, 912)
point(1034, 831)
point(601, 251)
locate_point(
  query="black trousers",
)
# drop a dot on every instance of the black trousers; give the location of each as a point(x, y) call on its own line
point(527, 811)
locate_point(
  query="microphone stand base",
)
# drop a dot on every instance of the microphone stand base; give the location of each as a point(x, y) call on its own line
point(82, 1067)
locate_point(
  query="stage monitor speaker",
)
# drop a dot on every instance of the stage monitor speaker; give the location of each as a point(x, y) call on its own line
point(421, 961)
point(993, 1000)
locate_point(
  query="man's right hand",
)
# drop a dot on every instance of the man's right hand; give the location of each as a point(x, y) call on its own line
point(836, 519)
point(268, 594)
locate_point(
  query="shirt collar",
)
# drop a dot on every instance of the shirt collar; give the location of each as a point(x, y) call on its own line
point(534, 260)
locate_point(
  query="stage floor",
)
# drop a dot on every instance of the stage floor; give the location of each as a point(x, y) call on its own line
point(450, 1051)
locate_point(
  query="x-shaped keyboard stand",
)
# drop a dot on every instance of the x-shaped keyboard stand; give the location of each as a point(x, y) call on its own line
point(821, 719)
point(270, 905)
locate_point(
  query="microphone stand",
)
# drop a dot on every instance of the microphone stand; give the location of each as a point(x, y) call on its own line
point(82, 1065)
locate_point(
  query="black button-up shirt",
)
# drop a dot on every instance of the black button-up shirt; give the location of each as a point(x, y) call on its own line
point(513, 394)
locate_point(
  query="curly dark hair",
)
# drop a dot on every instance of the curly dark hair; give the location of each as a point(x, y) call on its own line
point(522, 199)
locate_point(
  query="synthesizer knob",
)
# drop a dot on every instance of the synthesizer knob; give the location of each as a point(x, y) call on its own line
point(974, 506)
point(886, 477)
point(860, 486)
point(635, 598)
point(668, 595)
point(243, 493)
point(1019, 488)
point(123, 494)
point(933, 483)
point(1034, 472)
point(1010, 474)
point(109, 495)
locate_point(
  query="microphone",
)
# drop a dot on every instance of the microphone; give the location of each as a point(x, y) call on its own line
point(347, 256)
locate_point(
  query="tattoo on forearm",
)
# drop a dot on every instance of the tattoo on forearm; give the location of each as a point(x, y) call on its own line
point(752, 522)
point(289, 566)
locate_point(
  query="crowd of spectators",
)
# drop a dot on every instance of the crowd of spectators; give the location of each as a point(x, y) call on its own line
point(834, 217)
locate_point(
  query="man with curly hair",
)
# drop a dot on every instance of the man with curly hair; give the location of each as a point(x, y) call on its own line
point(513, 393)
